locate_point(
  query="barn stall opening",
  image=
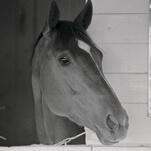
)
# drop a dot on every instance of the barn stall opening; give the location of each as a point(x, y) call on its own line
point(120, 29)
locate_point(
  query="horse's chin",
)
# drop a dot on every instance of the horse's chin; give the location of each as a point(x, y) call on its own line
point(103, 139)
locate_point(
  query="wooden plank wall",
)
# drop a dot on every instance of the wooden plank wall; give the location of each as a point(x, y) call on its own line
point(16, 101)
point(120, 29)
point(21, 21)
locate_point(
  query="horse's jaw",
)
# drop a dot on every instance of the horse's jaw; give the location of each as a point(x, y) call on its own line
point(98, 124)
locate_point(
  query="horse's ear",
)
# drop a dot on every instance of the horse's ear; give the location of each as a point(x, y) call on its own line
point(54, 15)
point(53, 18)
point(85, 16)
point(46, 30)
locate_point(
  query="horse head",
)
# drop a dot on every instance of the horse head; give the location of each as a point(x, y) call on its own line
point(71, 77)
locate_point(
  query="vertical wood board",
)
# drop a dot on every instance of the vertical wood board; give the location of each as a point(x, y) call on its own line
point(17, 116)
point(24, 104)
point(7, 32)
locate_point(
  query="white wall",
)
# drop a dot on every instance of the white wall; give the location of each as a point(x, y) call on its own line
point(120, 28)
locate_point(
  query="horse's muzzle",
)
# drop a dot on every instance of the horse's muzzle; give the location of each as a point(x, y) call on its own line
point(113, 131)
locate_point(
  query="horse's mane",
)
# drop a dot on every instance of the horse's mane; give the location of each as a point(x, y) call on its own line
point(65, 31)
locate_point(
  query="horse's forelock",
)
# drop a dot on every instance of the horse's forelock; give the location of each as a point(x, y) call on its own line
point(65, 31)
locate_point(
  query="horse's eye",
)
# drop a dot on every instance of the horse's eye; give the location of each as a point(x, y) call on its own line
point(64, 60)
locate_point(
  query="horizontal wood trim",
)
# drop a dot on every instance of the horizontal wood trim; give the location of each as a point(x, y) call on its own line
point(47, 148)
point(98, 148)
point(121, 6)
point(119, 28)
point(125, 58)
point(139, 128)
point(73, 148)
point(130, 88)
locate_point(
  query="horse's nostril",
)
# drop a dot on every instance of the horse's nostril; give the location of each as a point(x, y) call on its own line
point(112, 123)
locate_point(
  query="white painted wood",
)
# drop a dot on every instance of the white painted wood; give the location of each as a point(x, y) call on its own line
point(121, 149)
point(125, 58)
point(139, 129)
point(140, 124)
point(46, 148)
point(75, 148)
point(130, 88)
point(121, 6)
point(119, 28)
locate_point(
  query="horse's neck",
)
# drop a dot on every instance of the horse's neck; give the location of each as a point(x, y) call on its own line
point(51, 128)
point(58, 128)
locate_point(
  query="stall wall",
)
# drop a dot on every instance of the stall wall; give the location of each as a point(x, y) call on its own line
point(21, 21)
point(17, 35)
point(120, 29)
point(73, 148)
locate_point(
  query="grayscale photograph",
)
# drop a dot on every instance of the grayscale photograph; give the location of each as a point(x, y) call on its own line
point(75, 75)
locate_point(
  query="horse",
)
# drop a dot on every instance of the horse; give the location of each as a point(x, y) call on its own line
point(69, 87)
